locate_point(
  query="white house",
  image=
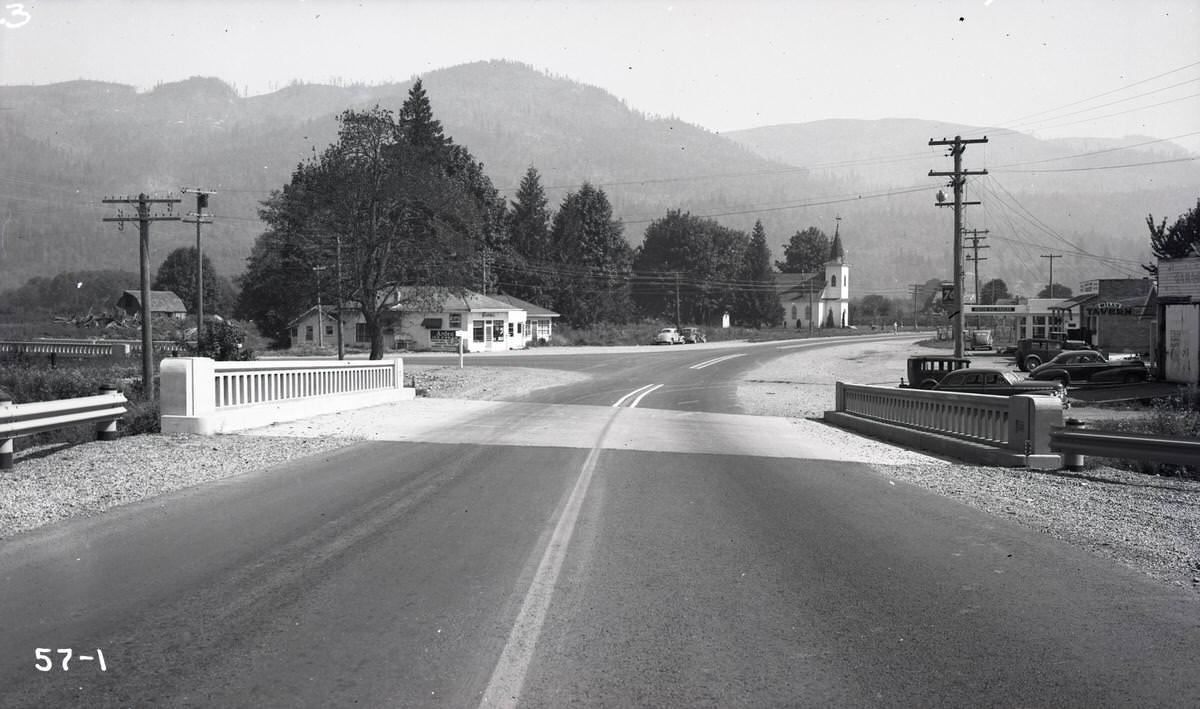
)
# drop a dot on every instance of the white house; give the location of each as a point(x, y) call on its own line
point(314, 328)
point(539, 321)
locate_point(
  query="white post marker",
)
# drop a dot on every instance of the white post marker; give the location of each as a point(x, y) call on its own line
point(462, 337)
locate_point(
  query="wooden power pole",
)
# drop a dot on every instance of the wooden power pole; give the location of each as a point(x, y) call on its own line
point(143, 217)
point(958, 180)
point(198, 217)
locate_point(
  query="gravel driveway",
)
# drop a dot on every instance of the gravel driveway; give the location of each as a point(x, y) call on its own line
point(1151, 524)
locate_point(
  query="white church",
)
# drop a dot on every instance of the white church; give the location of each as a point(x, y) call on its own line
point(818, 299)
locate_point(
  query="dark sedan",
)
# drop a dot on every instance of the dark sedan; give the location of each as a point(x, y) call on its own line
point(1092, 367)
point(994, 381)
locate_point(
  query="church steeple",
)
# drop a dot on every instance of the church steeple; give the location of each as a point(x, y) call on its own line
point(836, 252)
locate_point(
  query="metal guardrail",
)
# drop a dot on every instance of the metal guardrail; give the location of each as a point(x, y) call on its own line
point(1127, 446)
point(17, 420)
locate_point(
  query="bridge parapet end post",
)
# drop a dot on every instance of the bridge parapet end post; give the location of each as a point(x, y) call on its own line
point(1031, 418)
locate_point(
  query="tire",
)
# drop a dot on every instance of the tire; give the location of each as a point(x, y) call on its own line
point(928, 384)
point(1031, 363)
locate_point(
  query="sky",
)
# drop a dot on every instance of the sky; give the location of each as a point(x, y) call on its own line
point(1049, 68)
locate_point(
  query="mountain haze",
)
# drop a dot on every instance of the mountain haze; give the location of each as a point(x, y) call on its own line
point(69, 145)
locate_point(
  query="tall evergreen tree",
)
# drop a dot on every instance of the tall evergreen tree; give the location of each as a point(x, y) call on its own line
point(758, 302)
point(406, 206)
point(177, 274)
point(527, 274)
point(594, 260)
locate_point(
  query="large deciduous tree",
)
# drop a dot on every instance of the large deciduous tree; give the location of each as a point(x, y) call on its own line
point(994, 291)
point(689, 266)
point(594, 260)
point(402, 204)
point(1180, 240)
point(806, 252)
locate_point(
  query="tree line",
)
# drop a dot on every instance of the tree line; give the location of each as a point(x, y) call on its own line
point(395, 210)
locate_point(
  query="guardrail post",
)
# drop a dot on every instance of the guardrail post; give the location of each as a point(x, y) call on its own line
point(1073, 461)
point(107, 430)
point(6, 444)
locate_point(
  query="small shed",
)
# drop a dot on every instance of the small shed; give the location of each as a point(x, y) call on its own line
point(162, 302)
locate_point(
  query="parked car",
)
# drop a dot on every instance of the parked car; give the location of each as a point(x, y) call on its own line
point(692, 335)
point(668, 336)
point(925, 371)
point(1091, 366)
point(997, 382)
point(1033, 351)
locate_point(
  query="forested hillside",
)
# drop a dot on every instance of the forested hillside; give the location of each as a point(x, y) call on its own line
point(69, 145)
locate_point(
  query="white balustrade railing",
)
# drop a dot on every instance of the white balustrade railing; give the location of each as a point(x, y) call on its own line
point(200, 395)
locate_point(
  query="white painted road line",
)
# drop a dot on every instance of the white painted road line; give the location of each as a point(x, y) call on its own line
point(633, 404)
point(717, 360)
point(634, 393)
point(504, 688)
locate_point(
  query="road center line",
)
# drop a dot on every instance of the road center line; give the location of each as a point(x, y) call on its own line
point(715, 360)
point(504, 687)
point(633, 404)
point(633, 393)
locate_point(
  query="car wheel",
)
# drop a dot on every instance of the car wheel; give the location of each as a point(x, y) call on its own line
point(928, 384)
point(1031, 363)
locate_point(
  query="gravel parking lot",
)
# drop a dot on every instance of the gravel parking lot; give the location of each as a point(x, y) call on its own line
point(1148, 523)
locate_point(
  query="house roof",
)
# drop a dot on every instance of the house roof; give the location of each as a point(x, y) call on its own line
point(794, 284)
point(161, 301)
point(1074, 301)
point(529, 308)
point(433, 300)
point(325, 310)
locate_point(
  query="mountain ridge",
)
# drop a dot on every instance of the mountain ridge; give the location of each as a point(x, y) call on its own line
point(74, 142)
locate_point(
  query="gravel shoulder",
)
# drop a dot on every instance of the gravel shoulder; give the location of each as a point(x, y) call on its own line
point(1150, 524)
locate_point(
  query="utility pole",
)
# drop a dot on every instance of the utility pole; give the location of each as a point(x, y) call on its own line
point(320, 313)
point(143, 217)
point(916, 289)
point(338, 312)
point(198, 217)
point(677, 323)
point(1051, 257)
point(958, 180)
point(975, 258)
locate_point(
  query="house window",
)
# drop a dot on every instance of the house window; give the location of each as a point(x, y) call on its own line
point(793, 312)
point(487, 330)
point(308, 332)
point(833, 281)
point(511, 329)
point(808, 312)
point(360, 332)
point(295, 333)
point(519, 329)
point(455, 321)
point(329, 330)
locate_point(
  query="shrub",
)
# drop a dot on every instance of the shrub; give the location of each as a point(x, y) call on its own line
point(1176, 416)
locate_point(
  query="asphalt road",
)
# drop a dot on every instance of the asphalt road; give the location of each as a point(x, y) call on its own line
point(620, 546)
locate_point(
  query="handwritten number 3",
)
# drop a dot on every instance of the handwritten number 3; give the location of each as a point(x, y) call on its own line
point(16, 11)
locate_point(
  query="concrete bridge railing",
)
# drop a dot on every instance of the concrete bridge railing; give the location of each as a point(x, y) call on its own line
point(200, 395)
point(1010, 431)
